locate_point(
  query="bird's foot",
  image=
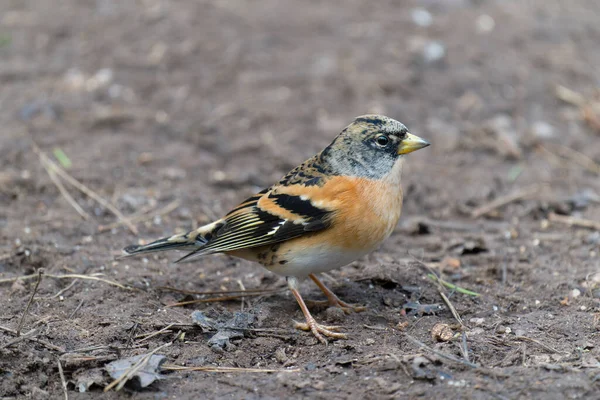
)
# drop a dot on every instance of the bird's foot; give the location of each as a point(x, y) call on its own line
point(319, 330)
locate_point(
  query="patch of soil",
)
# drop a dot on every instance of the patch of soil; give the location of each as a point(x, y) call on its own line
point(202, 103)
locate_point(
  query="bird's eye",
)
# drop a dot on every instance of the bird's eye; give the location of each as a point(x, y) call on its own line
point(382, 140)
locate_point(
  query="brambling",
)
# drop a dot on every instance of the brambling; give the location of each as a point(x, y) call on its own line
point(330, 210)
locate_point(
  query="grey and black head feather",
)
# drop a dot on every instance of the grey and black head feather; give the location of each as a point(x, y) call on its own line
point(368, 147)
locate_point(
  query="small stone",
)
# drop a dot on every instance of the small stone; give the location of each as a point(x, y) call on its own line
point(280, 355)
point(477, 321)
point(542, 130)
point(503, 329)
point(460, 383)
point(485, 23)
point(421, 17)
point(575, 293)
point(433, 52)
point(442, 332)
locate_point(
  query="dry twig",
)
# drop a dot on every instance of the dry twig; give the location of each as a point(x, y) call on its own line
point(504, 200)
point(33, 339)
point(247, 291)
point(569, 96)
point(439, 353)
point(173, 367)
point(143, 217)
point(572, 155)
point(93, 277)
point(209, 300)
point(76, 309)
point(35, 288)
point(542, 345)
point(587, 108)
point(464, 349)
point(147, 336)
point(65, 193)
point(122, 380)
point(63, 290)
point(62, 379)
point(572, 221)
point(28, 335)
point(440, 289)
point(241, 294)
point(50, 165)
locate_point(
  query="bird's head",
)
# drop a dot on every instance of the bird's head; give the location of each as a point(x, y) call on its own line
point(371, 146)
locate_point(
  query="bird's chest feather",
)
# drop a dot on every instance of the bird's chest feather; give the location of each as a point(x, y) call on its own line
point(369, 215)
point(364, 213)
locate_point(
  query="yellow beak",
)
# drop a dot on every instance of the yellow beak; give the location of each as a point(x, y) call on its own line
point(411, 143)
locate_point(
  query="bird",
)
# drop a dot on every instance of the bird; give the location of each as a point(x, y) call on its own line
point(330, 210)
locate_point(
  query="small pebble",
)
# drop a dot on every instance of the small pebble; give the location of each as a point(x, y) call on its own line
point(281, 356)
point(421, 17)
point(503, 329)
point(441, 332)
point(485, 23)
point(542, 129)
point(434, 51)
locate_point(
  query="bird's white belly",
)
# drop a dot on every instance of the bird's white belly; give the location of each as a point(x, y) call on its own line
point(302, 262)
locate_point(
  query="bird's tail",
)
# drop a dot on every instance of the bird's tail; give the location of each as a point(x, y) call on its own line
point(194, 240)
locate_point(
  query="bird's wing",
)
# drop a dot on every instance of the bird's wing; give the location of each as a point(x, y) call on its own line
point(274, 215)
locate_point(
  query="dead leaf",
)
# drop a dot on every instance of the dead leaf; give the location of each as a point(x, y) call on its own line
point(144, 376)
point(88, 378)
point(233, 328)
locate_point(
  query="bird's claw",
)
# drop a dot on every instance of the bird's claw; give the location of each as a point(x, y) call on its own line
point(319, 330)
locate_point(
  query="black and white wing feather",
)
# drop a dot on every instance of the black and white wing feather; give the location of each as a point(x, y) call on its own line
point(271, 216)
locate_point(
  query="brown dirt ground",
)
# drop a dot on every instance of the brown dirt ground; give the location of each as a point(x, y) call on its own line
point(204, 102)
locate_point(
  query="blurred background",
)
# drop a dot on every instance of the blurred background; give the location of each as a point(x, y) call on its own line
point(193, 105)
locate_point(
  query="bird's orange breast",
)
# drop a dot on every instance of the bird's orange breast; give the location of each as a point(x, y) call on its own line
point(364, 212)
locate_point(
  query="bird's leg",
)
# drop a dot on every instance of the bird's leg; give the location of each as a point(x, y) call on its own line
point(311, 325)
point(333, 300)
